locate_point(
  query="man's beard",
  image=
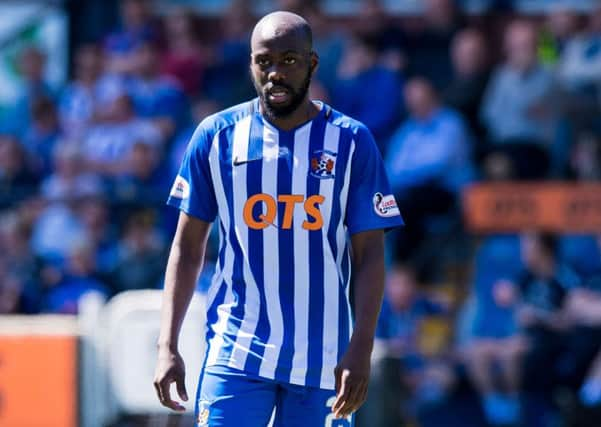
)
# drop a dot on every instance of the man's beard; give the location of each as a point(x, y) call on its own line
point(296, 99)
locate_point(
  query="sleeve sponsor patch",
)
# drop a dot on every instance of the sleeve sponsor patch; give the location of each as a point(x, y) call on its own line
point(180, 188)
point(385, 206)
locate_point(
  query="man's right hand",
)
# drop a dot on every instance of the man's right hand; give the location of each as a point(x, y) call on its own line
point(170, 369)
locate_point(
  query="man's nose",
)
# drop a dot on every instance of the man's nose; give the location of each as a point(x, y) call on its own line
point(275, 75)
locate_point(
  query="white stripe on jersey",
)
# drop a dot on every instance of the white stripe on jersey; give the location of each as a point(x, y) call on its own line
point(217, 276)
point(271, 256)
point(301, 258)
point(342, 237)
point(252, 300)
point(330, 279)
point(225, 275)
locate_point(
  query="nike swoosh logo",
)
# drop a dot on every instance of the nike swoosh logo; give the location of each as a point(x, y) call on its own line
point(238, 162)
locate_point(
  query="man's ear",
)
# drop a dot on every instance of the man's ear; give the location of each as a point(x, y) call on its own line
point(314, 61)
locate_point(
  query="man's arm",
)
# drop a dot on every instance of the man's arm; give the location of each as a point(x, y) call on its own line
point(352, 373)
point(185, 259)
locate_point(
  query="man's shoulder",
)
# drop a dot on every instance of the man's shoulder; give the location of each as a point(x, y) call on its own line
point(344, 121)
point(213, 124)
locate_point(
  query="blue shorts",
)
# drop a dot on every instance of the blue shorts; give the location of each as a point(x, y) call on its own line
point(228, 397)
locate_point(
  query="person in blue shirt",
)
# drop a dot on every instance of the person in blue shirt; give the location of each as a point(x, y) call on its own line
point(516, 106)
point(42, 135)
point(502, 369)
point(427, 160)
point(137, 24)
point(400, 367)
point(31, 65)
point(76, 279)
point(156, 97)
point(292, 185)
point(369, 91)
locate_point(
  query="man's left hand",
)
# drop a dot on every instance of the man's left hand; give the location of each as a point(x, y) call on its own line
point(352, 378)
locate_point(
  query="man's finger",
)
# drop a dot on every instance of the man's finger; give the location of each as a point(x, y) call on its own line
point(166, 397)
point(158, 390)
point(337, 374)
point(181, 388)
point(351, 402)
point(357, 398)
point(362, 395)
point(343, 394)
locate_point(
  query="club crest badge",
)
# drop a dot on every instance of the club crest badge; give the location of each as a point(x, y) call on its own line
point(323, 163)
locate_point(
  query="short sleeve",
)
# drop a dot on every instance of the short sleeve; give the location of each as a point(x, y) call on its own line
point(193, 191)
point(371, 205)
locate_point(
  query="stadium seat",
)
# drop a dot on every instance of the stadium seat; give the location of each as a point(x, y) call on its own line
point(126, 344)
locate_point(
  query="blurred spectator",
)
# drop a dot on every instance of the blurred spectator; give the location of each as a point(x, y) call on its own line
point(585, 158)
point(83, 101)
point(585, 310)
point(427, 162)
point(55, 222)
point(55, 216)
point(401, 370)
point(471, 73)
point(518, 125)
point(22, 267)
point(31, 67)
point(70, 179)
point(583, 341)
point(17, 182)
point(577, 93)
point(156, 97)
point(41, 136)
point(10, 292)
point(496, 260)
point(108, 144)
point(328, 42)
point(561, 24)
point(525, 361)
point(579, 67)
point(543, 290)
point(137, 24)
point(144, 183)
point(141, 254)
point(232, 55)
point(77, 279)
point(367, 91)
point(186, 55)
point(582, 252)
point(100, 223)
point(388, 37)
point(428, 48)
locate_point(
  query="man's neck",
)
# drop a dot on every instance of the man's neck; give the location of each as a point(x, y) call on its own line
point(305, 112)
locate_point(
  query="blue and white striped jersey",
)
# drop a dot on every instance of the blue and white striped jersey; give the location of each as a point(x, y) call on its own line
point(278, 306)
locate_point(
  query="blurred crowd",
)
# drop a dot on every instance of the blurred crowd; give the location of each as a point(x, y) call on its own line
point(475, 330)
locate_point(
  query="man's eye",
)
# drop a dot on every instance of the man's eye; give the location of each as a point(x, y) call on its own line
point(290, 61)
point(263, 62)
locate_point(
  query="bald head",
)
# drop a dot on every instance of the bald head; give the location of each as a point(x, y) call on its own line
point(282, 63)
point(282, 28)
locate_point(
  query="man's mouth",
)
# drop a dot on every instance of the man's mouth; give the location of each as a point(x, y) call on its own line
point(278, 95)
